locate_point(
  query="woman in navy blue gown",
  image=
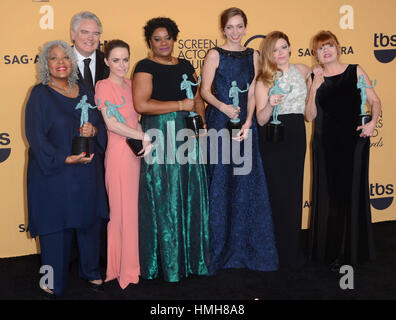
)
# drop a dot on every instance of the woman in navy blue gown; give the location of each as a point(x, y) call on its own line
point(241, 226)
point(64, 193)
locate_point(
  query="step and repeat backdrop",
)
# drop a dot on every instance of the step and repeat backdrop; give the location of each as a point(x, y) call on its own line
point(366, 31)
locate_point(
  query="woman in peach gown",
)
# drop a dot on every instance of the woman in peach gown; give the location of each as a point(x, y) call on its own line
point(122, 166)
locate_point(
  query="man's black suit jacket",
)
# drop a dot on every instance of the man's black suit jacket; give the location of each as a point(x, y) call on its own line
point(101, 70)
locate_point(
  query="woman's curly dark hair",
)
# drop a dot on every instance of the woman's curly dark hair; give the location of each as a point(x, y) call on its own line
point(160, 22)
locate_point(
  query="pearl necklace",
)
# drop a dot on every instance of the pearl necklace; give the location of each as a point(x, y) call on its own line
point(64, 91)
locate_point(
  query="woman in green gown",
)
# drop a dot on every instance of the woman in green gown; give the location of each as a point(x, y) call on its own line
point(173, 198)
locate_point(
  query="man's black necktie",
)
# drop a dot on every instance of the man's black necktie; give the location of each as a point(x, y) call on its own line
point(87, 74)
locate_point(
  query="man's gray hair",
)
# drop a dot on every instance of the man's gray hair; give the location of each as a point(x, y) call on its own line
point(78, 17)
point(44, 74)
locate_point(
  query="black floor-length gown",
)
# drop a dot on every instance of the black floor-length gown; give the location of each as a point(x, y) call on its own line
point(340, 223)
point(283, 163)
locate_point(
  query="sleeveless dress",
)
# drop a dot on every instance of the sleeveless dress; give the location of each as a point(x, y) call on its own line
point(340, 225)
point(284, 167)
point(173, 197)
point(241, 225)
point(122, 185)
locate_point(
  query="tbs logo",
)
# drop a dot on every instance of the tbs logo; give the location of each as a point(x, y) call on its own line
point(382, 52)
point(381, 196)
point(4, 141)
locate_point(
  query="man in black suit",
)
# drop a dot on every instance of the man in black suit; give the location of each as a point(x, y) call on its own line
point(85, 31)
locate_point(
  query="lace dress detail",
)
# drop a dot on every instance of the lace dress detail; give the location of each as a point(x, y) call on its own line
point(294, 102)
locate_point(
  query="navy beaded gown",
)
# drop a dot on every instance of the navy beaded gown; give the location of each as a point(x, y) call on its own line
point(241, 226)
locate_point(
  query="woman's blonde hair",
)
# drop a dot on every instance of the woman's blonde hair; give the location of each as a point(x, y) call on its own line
point(268, 68)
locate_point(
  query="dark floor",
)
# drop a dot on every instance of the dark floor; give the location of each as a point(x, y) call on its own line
point(376, 280)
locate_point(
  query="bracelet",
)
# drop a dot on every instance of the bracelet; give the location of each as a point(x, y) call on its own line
point(180, 105)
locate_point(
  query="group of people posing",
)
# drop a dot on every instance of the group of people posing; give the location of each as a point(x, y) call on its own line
point(172, 219)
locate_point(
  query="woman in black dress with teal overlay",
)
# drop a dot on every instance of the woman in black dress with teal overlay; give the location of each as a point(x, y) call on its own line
point(340, 227)
point(173, 198)
point(242, 234)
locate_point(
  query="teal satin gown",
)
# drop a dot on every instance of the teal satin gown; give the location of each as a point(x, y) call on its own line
point(173, 197)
